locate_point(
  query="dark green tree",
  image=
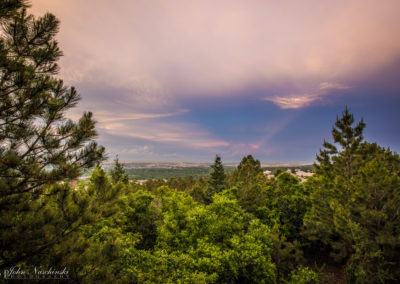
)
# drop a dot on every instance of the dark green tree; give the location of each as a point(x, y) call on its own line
point(86, 230)
point(248, 172)
point(217, 179)
point(277, 172)
point(199, 193)
point(8, 8)
point(118, 173)
point(250, 182)
point(287, 204)
point(249, 159)
point(38, 145)
point(140, 217)
point(352, 199)
point(348, 138)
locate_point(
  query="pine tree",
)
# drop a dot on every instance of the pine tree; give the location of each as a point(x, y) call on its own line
point(353, 212)
point(248, 172)
point(8, 8)
point(118, 173)
point(349, 139)
point(38, 145)
point(249, 159)
point(217, 176)
point(91, 239)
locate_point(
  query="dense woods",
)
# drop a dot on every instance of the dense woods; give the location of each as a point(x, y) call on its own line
point(340, 225)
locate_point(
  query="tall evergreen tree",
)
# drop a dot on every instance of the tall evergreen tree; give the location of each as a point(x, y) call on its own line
point(118, 173)
point(348, 138)
point(249, 160)
point(248, 172)
point(352, 204)
point(217, 176)
point(38, 145)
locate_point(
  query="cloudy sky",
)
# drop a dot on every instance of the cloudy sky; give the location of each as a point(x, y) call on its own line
point(185, 80)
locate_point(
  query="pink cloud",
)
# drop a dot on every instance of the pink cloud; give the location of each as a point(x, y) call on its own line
point(170, 48)
point(293, 101)
point(187, 135)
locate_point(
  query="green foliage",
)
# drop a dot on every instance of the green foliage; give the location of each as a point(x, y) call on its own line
point(199, 194)
point(140, 217)
point(348, 139)
point(93, 238)
point(218, 238)
point(250, 182)
point(353, 211)
point(217, 179)
point(286, 255)
point(277, 172)
point(248, 171)
point(287, 204)
point(252, 198)
point(39, 148)
point(73, 228)
point(176, 172)
point(38, 145)
point(303, 275)
point(118, 174)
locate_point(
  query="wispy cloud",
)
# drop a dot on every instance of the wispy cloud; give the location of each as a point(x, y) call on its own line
point(187, 135)
point(106, 117)
point(296, 100)
point(293, 101)
point(327, 86)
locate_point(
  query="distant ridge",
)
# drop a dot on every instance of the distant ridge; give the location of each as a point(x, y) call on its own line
point(173, 165)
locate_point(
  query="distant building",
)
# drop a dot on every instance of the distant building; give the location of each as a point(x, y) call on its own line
point(301, 174)
point(297, 173)
point(268, 174)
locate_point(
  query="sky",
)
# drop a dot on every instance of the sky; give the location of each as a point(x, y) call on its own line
point(186, 80)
